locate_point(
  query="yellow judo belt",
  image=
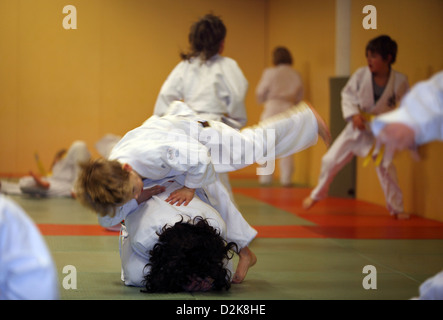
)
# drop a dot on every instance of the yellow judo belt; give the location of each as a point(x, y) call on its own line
point(41, 167)
point(369, 117)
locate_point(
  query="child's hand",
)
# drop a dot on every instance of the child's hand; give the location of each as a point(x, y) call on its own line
point(359, 122)
point(181, 196)
point(39, 181)
point(147, 194)
point(397, 137)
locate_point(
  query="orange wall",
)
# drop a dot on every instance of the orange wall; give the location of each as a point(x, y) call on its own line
point(59, 85)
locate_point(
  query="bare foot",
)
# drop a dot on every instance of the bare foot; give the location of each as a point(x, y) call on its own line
point(323, 130)
point(247, 260)
point(308, 202)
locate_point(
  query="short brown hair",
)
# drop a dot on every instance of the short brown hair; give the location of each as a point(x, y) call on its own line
point(281, 55)
point(384, 46)
point(205, 37)
point(103, 185)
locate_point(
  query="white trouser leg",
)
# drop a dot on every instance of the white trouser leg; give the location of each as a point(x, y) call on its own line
point(389, 183)
point(133, 265)
point(238, 229)
point(338, 155)
point(265, 178)
point(29, 186)
point(286, 170)
point(276, 137)
point(224, 178)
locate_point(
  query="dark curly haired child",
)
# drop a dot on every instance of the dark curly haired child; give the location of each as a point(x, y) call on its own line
point(189, 256)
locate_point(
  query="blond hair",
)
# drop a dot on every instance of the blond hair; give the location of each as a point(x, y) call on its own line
point(103, 185)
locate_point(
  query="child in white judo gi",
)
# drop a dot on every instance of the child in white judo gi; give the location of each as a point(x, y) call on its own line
point(210, 84)
point(184, 147)
point(27, 271)
point(279, 88)
point(169, 248)
point(418, 120)
point(60, 182)
point(370, 91)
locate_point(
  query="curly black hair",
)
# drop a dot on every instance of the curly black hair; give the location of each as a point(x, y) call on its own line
point(189, 256)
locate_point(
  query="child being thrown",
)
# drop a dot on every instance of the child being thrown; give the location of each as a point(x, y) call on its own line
point(182, 147)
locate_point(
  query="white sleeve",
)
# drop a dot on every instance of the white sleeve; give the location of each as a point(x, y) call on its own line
point(349, 96)
point(421, 109)
point(432, 288)
point(180, 158)
point(171, 90)
point(193, 161)
point(27, 271)
point(120, 214)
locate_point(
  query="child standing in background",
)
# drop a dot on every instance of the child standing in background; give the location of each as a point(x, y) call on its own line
point(280, 88)
point(371, 91)
point(210, 84)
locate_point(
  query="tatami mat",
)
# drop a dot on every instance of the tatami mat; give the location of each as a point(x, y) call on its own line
point(319, 254)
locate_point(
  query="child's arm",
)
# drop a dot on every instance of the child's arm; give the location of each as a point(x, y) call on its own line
point(39, 181)
point(358, 122)
point(349, 95)
point(181, 196)
point(147, 194)
point(238, 87)
point(171, 90)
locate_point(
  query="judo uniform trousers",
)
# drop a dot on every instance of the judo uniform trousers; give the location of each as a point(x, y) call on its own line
point(279, 88)
point(357, 97)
